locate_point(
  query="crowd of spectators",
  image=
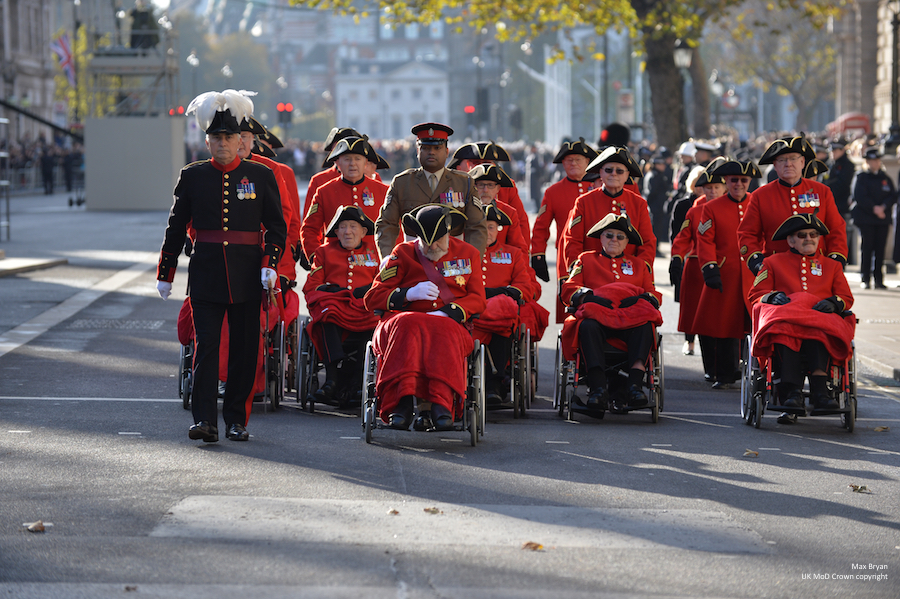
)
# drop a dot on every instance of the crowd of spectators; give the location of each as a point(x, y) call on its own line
point(40, 163)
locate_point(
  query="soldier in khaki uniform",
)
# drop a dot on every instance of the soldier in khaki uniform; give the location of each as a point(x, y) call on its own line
point(431, 183)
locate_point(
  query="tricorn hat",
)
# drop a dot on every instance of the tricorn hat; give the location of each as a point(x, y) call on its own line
point(262, 149)
point(491, 212)
point(788, 145)
point(491, 172)
point(579, 147)
point(814, 168)
point(799, 222)
point(620, 155)
point(480, 150)
point(352, 145)
point(619, 222)
point(253, 126)
point(741, 168)
point(354, 213)
point(271, 139)
point(381, 162)
point(432, 221)
point(337, 134)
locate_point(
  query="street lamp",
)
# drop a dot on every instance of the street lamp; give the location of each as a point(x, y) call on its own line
point(683, 54)
point(717, 89)
point(194, 62)
point(227, 73)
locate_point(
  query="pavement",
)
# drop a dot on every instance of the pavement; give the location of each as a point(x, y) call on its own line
point(877, 333)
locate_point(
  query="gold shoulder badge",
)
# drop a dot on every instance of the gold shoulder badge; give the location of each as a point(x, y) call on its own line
point(542, 210)
point(574, 221)
point(744, 250)
point(477, 201)
point(685, 224)
point(576, 269)
point(762, 276)
point(316, 269)
point(704, 226)
point(388, 273)
point(313, 208)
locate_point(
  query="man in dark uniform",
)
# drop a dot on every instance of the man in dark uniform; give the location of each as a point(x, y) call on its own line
point(227, 201)
point(430, 184)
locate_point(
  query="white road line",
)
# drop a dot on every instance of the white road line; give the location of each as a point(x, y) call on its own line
point(131, 399)
point(40, 324)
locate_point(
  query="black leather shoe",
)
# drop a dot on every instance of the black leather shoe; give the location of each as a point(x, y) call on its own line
point(786, 418)
point(864, 285)
point(708, 378)
point(237, 432)
point(203, 431)
point(794, 403)
point(880, 285)
point(423, 422)
point(325, 393)
point(442, 419)
point(598, 399)
point(825, 403)
point(722, 385)
point(636, 397)
point(402, 416)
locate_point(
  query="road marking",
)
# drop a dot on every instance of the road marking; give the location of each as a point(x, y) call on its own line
point(128, 433)
point(40, 324)
point(670, 417)
point(356, 438)
point(131, 399)
point(558, 442)
point(19, 432)
point(660, 445)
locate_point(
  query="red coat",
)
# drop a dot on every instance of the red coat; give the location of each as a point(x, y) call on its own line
point(774, 203)
point(510, 196)
point(595, 269)
point(723, 314)
point(317, 181)
point(368, 195)
point(685, 246)
point(290, 207)
point(791, 272)
point(591, 207)
point(347, 269)
point(504, 265)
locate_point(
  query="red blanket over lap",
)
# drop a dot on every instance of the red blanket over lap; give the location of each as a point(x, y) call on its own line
point(414, 345)
point(791, 323)
point(185, 323)
point(500, 316)
point(536, 317)
point(340, 308)
point(614, 318)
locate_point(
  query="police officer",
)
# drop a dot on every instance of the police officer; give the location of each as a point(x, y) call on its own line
point(227, 201)
point(874, 196)
point(431, 183)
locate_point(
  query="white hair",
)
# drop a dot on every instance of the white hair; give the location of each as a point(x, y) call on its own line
point(205, 106)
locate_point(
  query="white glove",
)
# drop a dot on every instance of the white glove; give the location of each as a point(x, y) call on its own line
point(438, 313)
point(384, 262)
point(164, 289)
point(426, 290)
point(269, 278)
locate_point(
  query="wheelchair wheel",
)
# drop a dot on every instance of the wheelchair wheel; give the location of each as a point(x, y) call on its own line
point(533, 358)
point(656, 386)
point(525, 371)
point(746, 381)
point(368, 393)
point(309, 370)
point(514, 370)
point(759, 402)
point(186, 377)
point(849, 417)
point(275, 366)
point(292, 342)
point(560, 374)
point(480, 388)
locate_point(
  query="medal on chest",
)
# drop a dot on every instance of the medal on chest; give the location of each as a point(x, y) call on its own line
point(501, 257)
point(452, 198)
point(815, 268)
point(456, 268)
point(367, 259)
point(808, 199)
point(246, 190)
point(368, 197)
point(627, 267)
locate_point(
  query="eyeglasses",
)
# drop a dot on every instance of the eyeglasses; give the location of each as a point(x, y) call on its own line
point(805, 234)
point(744, 180)
point(618, 171)
point(617, 236)
point(784, 160)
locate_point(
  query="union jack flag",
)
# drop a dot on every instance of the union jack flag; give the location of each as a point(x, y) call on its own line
point(60, 47)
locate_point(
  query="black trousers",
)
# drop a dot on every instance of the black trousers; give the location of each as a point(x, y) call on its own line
point(243, 346)
point(723, 358)
point(792, 367)
point(592, 335)
point(337, 348)
point(499, 347)
point(874, 239)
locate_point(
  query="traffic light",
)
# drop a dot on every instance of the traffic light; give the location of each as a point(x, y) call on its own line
point(177, 111)
point(285, 112)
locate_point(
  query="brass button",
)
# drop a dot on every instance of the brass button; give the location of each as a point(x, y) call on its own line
point(225, 219)
point(226, 175)
point(225, 211)
point(224, 228)
point(226, 183)
point(224, 243)
point(225, 202)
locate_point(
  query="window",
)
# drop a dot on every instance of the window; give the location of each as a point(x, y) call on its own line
point(411, 31)
point(417, 93)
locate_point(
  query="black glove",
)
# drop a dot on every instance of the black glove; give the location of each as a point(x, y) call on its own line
point(303, 260)
point(513, 293)
point(296, 252)
point(754, 262)
point(359, 292)
point(676, 269)
point(580, 296)
point(629, 301)
point(712, 277)
point(329, 288)
point(776, 298)
point(539, 265)
point(490, 292)
point(596, 299)
point(829, 305)
point(839, 258)
point(188, 246)
point(649, 297)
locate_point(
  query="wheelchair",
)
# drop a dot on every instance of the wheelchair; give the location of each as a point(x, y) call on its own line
point(473, 406)
point(567, 377)
point(521, 372)
point(186, 374)
point(309, 367)
point(275, 352)
point(758, 391)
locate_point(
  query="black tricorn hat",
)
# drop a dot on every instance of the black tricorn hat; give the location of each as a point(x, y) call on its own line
point(491, 212)
point(741, 168)
point(253, 126)
point(814, 168)
point(799, 222)
point(479, 150)
point(271, 139)
point(788, 145)
point(615, 154)
point(354, 213)
point(619, 222)
point(491, 172)
point(707, 177)
point(615, 134)
point(579, 147)
point(381, 162)
point(223, 122)
point(352, 145)
point(262, 150)
point(432, 221)
point(337, 134)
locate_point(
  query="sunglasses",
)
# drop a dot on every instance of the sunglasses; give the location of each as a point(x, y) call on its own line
point(744, 180)
point(618, 171)
point(618, 236)
point(805, 234)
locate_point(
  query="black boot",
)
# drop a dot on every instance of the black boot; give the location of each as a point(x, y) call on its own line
point(598, 394)
point(791, 398)
point(818, 390)
point(636, 396)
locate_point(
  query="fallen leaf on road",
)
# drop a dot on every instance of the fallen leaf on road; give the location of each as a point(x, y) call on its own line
point(35, 526)
point(882, 429)
point(532, 546)
point(749, 453)
point(432, 510)
point(128, 589)
point(859, 488)
point(393, 512)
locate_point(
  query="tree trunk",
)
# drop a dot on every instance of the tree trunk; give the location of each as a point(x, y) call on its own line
point(700, 96)
point(804, 113)
point(666, 88)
